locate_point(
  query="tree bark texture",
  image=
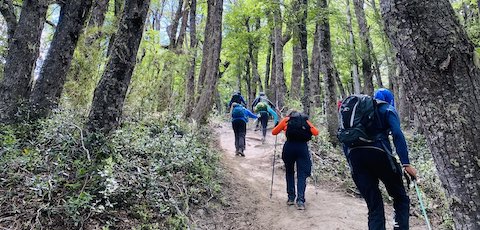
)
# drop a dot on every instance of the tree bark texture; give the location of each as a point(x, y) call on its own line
point(444, 85)
point(268, 64)
point(296, 79)
point(49, 86)
point(109, 95)
point(211, 59)
point(190, 81)
point(99, 11)
point(353, 59)
point(23, 52)
point(326, 66)
point(315, 68)
point(8, 13)
point(366, 47)
point(173, 28)
point(338, 82)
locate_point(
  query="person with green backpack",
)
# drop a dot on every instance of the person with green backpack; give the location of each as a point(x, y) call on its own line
point(264, 111)
point(239, 124)
point(299, 131)
point(365, 124)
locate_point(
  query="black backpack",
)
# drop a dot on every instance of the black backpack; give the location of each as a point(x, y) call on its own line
point(357, 117)
point(298, 129)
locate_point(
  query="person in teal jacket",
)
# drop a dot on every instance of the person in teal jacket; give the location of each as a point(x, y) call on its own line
point(265, 111)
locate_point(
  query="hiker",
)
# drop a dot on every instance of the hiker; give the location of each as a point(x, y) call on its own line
point(237, 98)
point(371, 162)
point(298, 130)
point(261, 98)
point(265, 111)
point(239, 123)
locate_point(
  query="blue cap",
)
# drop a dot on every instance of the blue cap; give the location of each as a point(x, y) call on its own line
point(385, 95)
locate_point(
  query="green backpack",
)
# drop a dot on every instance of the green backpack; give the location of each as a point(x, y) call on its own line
point(261, 106)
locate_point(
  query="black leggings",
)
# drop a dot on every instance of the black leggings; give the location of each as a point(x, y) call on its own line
point(240, 130)
point(264, 121)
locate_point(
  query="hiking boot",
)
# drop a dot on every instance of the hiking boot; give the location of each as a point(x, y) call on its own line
point(300, 205)
point(290, 202)
point(241, 153)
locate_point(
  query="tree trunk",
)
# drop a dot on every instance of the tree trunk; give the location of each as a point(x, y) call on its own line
point(281, 88)
point(296, 79)
point(444, 85)
point(190, 81)
point(315, 68)
point(49, 86)
point(366, 47)
point(22, 55)
point(326, 66)
point(338, 82)
point(376, 69)
point(173, 28)
point(268, 64)
point(183, 26)
point(248, 80)
point(8, 13)
point(353, 59)
point(211, 59)
point(109, 96)
point(254, 58)
point(302, 27)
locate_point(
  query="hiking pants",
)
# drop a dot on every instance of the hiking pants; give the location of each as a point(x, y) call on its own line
point(264, 121)
point(240, 130)
point(296, 153)
point(369, 166)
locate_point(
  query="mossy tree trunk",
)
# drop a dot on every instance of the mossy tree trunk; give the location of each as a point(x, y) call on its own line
point(444, 85)
point(49, 85)
point(109, 96)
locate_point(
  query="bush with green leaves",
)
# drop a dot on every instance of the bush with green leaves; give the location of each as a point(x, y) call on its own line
point(153, 172)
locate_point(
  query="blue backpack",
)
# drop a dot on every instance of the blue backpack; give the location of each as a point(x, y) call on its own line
point(238, 112)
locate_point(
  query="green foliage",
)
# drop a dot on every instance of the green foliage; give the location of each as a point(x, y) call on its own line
point(154, 170)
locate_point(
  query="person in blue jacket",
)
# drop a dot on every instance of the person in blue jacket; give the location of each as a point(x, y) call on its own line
point(239, 124)
point(373, 163)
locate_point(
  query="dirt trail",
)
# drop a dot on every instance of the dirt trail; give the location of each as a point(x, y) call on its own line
point(252, 177)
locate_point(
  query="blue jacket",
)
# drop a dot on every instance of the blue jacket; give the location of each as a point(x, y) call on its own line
point(388, 123)
point(247, 114)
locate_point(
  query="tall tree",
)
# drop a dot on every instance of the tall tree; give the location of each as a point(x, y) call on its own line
point(326, 66)
point(353, 58)
point(280, 87)
point(98, 14)
point(315, 65)
point(366, 46)
point(190, 80)
point(49, 86)
point(211, 59)
point(444, 85)
point(109, 96)
point(23, 52)
point(302, 27)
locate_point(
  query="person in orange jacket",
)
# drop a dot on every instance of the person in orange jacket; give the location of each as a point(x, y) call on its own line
point(298, 130)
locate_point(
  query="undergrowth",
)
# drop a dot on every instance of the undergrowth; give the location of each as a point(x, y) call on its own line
point(150, 174)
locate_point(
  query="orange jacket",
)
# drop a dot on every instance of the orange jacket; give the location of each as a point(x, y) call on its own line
point(282, 126)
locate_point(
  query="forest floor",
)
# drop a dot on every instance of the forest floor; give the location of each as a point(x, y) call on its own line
point(248, 192)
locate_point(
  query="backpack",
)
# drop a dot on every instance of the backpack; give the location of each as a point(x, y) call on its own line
point(261, 106)
point(298, 129)
point(357, 117)
point(237, 98)
point(238, 112)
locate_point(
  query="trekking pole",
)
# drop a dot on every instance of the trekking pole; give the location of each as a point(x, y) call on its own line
point(313, 172)
point(421, 204)
point(273, 165)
